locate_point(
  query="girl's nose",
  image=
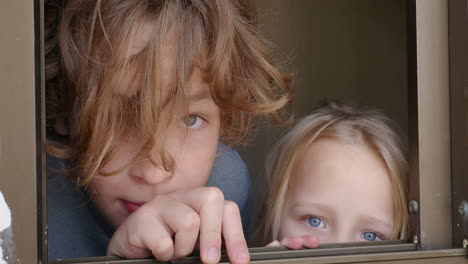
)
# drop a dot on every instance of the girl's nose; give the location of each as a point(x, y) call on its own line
point(344, 237)
point(146, 172)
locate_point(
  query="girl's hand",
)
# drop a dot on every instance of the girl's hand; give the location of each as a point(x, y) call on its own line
point(168, 227)
point(306, 241)
point(275, 243)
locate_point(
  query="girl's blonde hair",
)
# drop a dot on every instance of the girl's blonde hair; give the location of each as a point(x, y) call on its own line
point(88, 45)
point(344, 123)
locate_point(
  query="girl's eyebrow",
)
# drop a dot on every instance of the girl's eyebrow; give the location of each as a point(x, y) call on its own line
point(374, 220)
point(303, 206)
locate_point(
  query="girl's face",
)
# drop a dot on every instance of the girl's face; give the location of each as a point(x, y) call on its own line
point(340, 192)
point(191, 142)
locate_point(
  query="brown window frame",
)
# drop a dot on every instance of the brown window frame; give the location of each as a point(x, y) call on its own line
point(430, 102)
point(429, 123)
point(21, 129)
point(458, 39)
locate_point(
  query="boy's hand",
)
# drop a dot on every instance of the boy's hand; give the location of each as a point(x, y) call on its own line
point(168, 227)
point(306, 241)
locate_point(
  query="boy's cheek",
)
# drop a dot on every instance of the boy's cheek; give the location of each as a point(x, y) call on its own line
point(108, 186)
point(193, 175)
point(194, 169)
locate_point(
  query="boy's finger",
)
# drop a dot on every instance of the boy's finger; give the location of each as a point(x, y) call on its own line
point(179, 219)
point(158, 241)
point(140, 234)
point(209, 203)
point(233, 234)
point(120, 246)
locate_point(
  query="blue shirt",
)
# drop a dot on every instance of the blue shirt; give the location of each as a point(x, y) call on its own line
point(76, 230)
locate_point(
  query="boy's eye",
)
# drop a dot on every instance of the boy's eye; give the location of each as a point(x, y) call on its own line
point(192, 121)
point(370, 236)
point(315, 222)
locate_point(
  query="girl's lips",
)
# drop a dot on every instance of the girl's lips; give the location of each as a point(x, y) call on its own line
point(131, 206)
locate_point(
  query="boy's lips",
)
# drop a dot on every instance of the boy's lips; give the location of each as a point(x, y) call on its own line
point(131, 206)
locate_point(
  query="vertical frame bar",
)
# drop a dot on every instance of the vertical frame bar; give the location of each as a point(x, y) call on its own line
point(433, 124)
point(413, 138)
point(458, 28)
point(18, 149)
point(41, 187)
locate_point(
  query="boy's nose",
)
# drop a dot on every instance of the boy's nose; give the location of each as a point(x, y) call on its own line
point(147, 172)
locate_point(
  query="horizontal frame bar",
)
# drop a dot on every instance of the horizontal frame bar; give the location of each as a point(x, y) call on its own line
point(273, 253)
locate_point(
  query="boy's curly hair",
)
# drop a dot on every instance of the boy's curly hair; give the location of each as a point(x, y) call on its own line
point(87, 54)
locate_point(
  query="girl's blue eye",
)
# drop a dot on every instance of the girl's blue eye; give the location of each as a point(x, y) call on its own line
point(315, 222)
point(192, 121)
point(370, 236)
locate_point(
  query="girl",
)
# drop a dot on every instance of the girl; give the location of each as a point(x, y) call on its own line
point(338, 175)
point(139, 94)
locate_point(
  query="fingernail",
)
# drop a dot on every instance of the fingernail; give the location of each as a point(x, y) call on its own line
point(212, 254)
point(242, 255)
point(275, 243)
point(284, 242)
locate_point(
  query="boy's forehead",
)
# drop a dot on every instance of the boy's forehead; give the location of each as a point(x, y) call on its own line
point(167, 64)
point(142, 38)
point(198, 88)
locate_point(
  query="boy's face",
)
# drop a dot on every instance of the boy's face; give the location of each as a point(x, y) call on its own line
point(341, 192)
point(191, 141)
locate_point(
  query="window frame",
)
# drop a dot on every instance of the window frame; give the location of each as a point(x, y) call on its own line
point(428, 71)
point(453, 256)
point(458, 39)
point(21, 130)
point(429, 128)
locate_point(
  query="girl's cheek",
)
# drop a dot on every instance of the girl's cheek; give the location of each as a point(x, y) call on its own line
point(290, 227)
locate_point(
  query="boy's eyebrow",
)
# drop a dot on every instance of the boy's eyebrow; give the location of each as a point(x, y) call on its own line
point(199, 96)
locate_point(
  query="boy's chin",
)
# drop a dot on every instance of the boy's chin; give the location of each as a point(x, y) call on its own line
point(115, 215)
point(117, 220)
